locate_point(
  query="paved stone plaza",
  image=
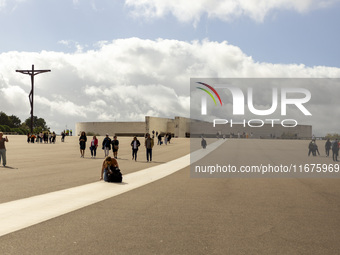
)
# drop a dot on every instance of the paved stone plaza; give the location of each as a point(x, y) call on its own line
point(177, 214)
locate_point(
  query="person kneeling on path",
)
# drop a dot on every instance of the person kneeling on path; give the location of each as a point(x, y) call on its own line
point(110, 171)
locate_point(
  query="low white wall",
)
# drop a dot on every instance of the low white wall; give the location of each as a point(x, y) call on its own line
point(182, 126)
point(267, 131)
point(156, 124)
point(111, 128)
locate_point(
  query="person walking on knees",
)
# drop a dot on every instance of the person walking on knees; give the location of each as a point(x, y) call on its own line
point(107, 163)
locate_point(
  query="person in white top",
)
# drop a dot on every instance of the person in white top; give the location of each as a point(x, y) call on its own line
point(3, 149)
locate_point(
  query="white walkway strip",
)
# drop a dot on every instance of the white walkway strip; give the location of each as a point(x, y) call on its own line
point(19, 214)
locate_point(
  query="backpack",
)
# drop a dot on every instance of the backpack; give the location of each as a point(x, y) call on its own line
point(114, 175)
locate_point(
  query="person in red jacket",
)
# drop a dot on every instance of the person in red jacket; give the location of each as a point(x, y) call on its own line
point(93, 147)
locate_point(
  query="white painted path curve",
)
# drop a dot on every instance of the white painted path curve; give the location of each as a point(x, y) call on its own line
point(22, 213)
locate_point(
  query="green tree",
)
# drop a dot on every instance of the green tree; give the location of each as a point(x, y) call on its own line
point(4, 120)
point(5, 128)
point(332, 136)
point(18, 130)
point(37, 123)
point(9, 123)
point(14, 121)
point(25, 128)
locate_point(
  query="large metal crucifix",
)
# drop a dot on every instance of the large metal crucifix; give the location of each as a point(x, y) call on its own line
point(32, 73)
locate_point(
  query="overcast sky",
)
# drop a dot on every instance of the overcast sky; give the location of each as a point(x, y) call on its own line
point(116, 60)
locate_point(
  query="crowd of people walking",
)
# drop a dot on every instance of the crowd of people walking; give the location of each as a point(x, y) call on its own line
point(42, 137)
point(166, 138)
point(113, 144)
point(330, 146)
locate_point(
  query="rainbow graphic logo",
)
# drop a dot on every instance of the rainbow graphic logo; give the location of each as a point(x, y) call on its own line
point(204, 99)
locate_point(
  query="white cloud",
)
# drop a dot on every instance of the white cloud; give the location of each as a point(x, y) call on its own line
point(10, 4)
point(64, 42)
point(192, 10)
point(13, 97)
point(2, 4)
point(64, 107)
point(73, 44)
point(127, 79)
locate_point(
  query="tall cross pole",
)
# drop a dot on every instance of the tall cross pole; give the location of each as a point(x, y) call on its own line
point(32, 73)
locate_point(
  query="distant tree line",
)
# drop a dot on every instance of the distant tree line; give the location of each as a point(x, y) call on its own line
point(13, 124)
point(333, 136)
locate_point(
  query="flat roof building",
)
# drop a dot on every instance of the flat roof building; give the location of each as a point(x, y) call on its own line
point(180, 127)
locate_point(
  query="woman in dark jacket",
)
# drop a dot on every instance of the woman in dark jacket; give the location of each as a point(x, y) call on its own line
point(82, 143)
point(115, 147)
point(135, 144)
point(107, 145)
